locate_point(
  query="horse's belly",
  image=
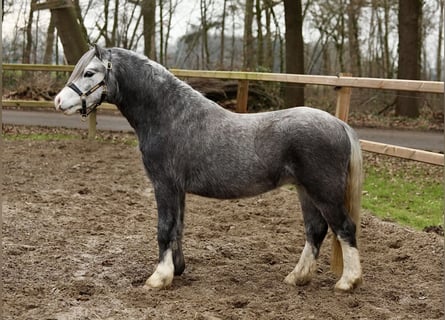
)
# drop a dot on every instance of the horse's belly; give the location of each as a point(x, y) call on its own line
point(225, 192)
point(245, 184)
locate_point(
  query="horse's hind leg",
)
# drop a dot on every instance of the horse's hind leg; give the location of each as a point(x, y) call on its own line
point(171, 205)
point(316, 228)
point(345, 231)
point(352, 272)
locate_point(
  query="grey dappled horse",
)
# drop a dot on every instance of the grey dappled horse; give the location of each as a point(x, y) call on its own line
point(190, 144)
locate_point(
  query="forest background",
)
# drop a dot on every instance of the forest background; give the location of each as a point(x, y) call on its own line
point(370, 38)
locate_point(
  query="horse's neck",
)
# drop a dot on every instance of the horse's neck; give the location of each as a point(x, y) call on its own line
point(148, 104)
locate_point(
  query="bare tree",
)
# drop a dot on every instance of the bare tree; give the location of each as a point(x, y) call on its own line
point(410, 13)
point(268, 41)
point(161, 31)
point(354, 7)
point(294, 95)
point(149, 27)
point(205, 26)
point(233, 9)
point(278, 41)
point(28, 32)
point(222, 35)
point(384, 31)
point(110, 35)
point(259, 39)
point(130, 22)
point(248, 61)
point(440, 41)
point(80, 17)
point(329, 19)
point(50, 37)
point(170, 14)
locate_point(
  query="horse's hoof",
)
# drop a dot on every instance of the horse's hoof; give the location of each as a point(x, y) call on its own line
point(158, 282)
point(164, 273)
point(344, 285)
point(295, 280)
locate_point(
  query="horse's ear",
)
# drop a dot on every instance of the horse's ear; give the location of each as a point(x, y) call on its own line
point(98, 51)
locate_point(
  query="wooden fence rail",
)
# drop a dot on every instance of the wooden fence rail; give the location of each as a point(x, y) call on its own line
point(343, 82)
point(337, 81)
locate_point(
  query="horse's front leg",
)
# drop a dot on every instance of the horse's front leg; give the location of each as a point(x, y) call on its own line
point(171, 203)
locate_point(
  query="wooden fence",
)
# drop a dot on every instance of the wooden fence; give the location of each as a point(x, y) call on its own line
point(343, 83)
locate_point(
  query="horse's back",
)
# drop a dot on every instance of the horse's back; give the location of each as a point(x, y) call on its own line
point(303, 132)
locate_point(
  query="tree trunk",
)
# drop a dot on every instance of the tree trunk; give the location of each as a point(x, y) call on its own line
point(341, 38)
point(28, 32)
point(222, 35)
point(171, 11)
point(80, 19)
point(410, 13)
point(278, 39)
point(48, 56)
point(294, 95)
point(114, 31)
point(260, 39)
point(354, 46)
point(389, 72)
point(233, 36)
point(439, 41)
point(161, 31)
point(70, 33)
point(248, 60)
point(205, 55)
point(268, 50)
point(149, 13)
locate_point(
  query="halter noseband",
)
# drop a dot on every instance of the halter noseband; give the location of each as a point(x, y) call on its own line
point(85, 111)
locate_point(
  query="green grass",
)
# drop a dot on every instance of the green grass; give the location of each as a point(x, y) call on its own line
point(40, 136)
point(54, 135)
point(409, 193)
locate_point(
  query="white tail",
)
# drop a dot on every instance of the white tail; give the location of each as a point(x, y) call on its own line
point(352, 198)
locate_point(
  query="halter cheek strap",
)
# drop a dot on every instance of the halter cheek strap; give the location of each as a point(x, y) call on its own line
point(85, 111)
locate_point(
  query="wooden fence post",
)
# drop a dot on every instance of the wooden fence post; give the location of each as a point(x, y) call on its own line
point(242, 96)
point(343, 100)
point(92, 125)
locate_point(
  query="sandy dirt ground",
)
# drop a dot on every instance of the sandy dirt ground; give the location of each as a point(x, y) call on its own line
point(79, 241)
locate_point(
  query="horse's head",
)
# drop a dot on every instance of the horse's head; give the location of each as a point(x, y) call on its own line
point(87, 87)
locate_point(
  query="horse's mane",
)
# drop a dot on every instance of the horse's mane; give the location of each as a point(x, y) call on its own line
point(81, 65)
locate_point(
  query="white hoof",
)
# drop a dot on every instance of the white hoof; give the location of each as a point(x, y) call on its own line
point(305, 268)
point(297, 280)
point(164, 273)
point(345, 285)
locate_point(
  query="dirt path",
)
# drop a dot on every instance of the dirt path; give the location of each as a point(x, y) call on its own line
point(79, 240)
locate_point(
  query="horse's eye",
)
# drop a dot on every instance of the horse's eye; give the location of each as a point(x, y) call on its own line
point(88, 74)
